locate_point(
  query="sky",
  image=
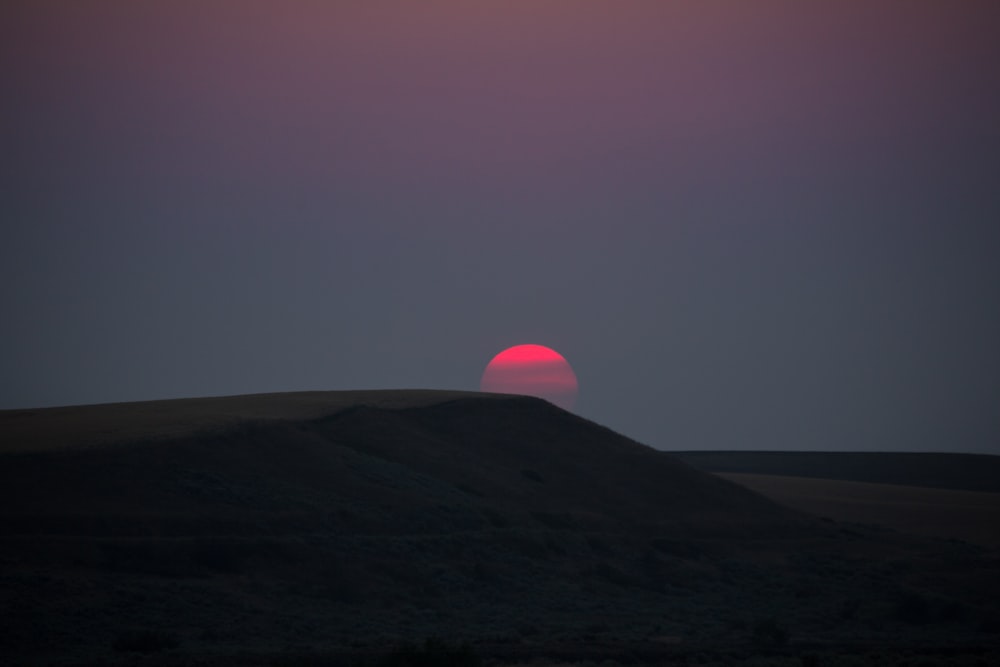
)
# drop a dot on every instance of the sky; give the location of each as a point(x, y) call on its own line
point(747, 225)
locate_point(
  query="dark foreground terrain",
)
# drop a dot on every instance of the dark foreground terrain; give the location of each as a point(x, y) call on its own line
point(347, 528)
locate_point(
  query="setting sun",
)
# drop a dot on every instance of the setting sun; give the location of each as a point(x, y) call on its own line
point(534, 370)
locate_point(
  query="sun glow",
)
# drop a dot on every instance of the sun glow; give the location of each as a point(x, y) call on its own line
point(533, 370)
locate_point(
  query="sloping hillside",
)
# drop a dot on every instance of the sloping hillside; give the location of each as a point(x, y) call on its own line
point(368, 459)
point(256, 528)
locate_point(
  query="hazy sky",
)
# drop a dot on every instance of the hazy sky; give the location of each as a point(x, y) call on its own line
point(745, 224)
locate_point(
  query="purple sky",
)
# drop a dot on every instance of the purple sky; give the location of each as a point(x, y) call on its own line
point(745, 224)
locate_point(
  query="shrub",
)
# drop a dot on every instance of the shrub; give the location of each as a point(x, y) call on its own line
point(433, 653)
point(912, 608)
point(145, 641)
point(218, 557)
point(533, 476)
point(768, 633)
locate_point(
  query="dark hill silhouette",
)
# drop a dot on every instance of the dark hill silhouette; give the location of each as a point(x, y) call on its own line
point(488, 460)
point(272, 526)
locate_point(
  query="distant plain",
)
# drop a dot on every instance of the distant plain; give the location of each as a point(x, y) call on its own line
point(950, 496)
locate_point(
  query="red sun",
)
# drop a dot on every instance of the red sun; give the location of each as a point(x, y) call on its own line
point(534, 370)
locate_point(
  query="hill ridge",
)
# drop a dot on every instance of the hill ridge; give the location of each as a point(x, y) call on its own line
point(99, 424)
point(492, 458)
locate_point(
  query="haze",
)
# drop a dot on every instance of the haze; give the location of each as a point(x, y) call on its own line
point(766, 225)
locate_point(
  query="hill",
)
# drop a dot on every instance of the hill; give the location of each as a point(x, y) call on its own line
point(255, 529)
point(380, 458)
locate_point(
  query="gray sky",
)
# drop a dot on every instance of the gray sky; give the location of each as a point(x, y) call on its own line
point(747, 225)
